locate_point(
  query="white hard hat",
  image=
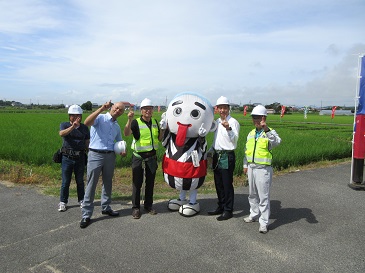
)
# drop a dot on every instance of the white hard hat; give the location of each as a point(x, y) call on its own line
point(119, 147)
point(75, 110)
point(146, 102)
point(259, 110)
point(222, 100)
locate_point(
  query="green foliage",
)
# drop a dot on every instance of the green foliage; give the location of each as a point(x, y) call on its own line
point(87, 106)
point(32, 138)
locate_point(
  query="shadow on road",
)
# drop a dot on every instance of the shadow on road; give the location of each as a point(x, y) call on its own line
point(285, 216)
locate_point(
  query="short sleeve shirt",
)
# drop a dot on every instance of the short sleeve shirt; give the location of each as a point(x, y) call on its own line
point(76, 139)
point(104, 133)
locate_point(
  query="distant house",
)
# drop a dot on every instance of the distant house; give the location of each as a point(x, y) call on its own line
point(234, 105)
point(94, 105)
point(337, 112)
point(271, 111)
point(16, 104)
point(127, 105)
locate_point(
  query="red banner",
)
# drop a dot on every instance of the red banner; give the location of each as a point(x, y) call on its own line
point(245, 110)
point(333, 111)
point(282, 111)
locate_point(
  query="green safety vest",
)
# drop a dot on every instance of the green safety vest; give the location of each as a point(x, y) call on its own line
point(148, 138)
point(257, 150)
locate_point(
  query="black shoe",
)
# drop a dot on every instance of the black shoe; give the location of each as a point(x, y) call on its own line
point(136, 213)
point(110, 212)
point(150, 210)
point(225, 216)
point(215, 212)
point(84, 222)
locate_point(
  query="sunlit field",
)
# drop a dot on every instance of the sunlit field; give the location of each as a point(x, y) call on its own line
point(29, 139)
point(33, 138)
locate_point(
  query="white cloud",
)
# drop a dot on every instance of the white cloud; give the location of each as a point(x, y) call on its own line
point(293, 52)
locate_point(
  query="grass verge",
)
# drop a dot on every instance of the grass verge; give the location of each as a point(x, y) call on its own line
point(47, 179)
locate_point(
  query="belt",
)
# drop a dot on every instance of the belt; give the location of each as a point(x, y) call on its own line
point(71, 152)
point(224, 151)
point(72, 156)
point(101, 151)
point(146, 158)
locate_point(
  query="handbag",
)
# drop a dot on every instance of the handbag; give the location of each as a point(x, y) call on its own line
point(57, 156)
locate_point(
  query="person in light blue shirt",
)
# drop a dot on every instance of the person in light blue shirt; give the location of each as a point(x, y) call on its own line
point(104, 132)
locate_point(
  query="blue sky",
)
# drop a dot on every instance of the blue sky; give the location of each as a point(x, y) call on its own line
point(264, 51)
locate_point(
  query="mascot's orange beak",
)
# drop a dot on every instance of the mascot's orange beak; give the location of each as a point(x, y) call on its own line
point(181, 133)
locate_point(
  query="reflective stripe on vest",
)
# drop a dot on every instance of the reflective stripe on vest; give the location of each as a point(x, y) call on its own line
point(257, 149)
point(146, 142)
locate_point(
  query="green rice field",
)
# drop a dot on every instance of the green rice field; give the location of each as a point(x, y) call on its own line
point(32, 138)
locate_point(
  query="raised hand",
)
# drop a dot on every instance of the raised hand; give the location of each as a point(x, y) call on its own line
point(107, 105)
point(130, 114)
point(202, 131)
point(77, 122)
point(163, 122)
point(224, 122)
point(263, 123)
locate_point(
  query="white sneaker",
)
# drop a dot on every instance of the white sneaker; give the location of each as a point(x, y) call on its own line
point(249, 219)
point(263, 229)
point(62, 206)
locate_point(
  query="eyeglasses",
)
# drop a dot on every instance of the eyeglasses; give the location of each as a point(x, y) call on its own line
point(256, 117)
point(146, 108)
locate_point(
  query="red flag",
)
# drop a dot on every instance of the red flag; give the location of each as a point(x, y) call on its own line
point(245, 110)
point(282, 111)
point(333, 111)
point(159, 108)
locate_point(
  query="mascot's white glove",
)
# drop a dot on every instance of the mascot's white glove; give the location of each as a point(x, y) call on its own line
point(163, 122)
point(202, 132)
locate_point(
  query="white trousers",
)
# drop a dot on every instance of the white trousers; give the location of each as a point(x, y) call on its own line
point(192, 195)
point(259, 180)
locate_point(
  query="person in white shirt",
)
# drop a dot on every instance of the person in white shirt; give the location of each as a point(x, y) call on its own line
point(224, 158)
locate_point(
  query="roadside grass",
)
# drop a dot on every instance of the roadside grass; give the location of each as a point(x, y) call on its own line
point(48, 179)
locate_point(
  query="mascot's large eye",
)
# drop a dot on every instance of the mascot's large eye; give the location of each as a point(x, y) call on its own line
point(195, 114)
point(177, 111)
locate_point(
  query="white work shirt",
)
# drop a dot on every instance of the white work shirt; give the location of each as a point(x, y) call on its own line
point(226, 139)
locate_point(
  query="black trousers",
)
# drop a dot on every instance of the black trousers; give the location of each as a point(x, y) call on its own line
point(138, 175)
point(223, 180)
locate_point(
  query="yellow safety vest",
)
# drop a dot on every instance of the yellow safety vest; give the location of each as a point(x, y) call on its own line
point(148, 139)
point(257, 150)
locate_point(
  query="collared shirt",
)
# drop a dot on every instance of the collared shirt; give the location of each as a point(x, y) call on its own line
point(258, 133)
point(104, 132)
point(75, 140)
point(225, 139)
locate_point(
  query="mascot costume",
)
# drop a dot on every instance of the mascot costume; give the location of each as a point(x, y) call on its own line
point(187, 120)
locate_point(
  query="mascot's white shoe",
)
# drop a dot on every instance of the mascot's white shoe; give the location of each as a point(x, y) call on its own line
point(175, 204)
point(189, 210)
